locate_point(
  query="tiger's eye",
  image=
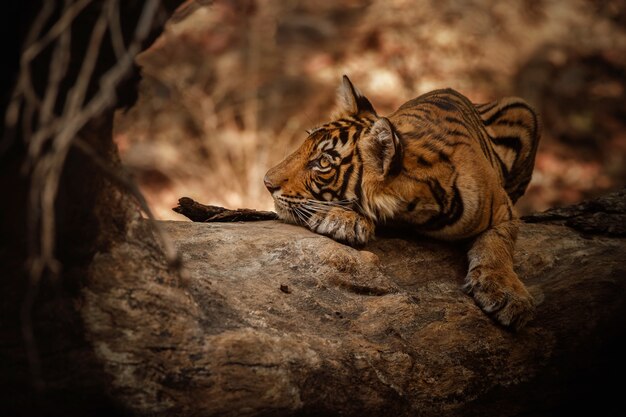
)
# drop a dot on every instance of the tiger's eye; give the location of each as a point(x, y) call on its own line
point(324, 162)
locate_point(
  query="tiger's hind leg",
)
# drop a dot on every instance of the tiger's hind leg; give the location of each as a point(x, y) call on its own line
point(491, 279)
point(514, 130)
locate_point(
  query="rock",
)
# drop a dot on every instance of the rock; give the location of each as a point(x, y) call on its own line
point(272, 319)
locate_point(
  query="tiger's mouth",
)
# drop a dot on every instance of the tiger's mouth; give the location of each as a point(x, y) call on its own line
point(299, 210)
point(291, 209)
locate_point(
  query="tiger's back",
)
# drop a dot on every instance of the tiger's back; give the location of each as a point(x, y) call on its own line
point(514, 133)
point(506, 130)
point(458, 157)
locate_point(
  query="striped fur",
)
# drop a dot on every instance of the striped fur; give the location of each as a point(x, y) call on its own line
point(439, 164)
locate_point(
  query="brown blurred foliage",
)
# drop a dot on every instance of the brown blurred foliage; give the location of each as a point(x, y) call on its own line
point(230, 87)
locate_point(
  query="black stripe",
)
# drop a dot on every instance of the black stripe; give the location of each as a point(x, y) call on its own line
point(325, 181)
point(332, 153)
point(357, 131)
point(421, 118)
point(424, 131)
point(503, 168)
point(473, 120)
point(509, 122)
point(454, 141)
point(347, 159)
point(422, 161)
point(345, 180)
point(316, 195)
point(530, 130)
point(363, 104)
point(358, 188)
point(439, 152)
point(525, 182)
point(459, 123)
point(443, 157)
point(484, 147)
point(511, 142)
point(458, 134)
point(343, 136)
point(451, 119)
point(451, 208)
point(518, 190)
point(437, 191)
point(424, 116)
point(502, 110)
point(446, 105)
point(491, 105)
point(362, 121)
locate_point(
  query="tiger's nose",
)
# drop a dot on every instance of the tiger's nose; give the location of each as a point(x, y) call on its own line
point(269, 185)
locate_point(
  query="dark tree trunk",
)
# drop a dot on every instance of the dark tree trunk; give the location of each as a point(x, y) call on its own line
point(57, 372)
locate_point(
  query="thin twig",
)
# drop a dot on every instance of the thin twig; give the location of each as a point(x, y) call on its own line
point(115, 29)
point(67, 18)
point(58, 69)
point(47, 173)
point(79, 90)
point(13, 110)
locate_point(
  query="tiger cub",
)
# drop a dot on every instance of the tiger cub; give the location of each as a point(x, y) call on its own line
point(448, 168)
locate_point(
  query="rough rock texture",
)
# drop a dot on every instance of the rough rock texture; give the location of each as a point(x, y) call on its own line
point(272, 319)
point(603, 215)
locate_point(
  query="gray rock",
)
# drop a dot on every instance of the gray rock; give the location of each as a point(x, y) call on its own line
point(272, 319)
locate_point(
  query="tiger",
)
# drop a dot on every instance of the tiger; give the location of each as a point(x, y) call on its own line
point(440, 165)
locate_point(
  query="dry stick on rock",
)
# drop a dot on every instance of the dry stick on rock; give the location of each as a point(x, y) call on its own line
point(204, 213)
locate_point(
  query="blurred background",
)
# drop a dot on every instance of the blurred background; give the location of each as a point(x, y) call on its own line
point(231, 86)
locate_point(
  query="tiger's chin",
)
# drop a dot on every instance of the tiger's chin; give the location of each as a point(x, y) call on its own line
point(286, 215)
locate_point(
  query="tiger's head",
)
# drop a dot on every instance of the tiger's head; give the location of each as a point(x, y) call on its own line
point(342, 163)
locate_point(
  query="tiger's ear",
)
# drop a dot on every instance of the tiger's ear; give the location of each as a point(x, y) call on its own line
point(350, 101)
point(384, 148)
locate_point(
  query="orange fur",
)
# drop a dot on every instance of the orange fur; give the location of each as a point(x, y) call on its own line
point(439, 164)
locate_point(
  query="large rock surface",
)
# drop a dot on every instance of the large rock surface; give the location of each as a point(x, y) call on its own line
point(272, 319)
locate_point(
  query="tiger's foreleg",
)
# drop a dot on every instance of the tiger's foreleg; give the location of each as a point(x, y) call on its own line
point(343, 225)
point(491, 279)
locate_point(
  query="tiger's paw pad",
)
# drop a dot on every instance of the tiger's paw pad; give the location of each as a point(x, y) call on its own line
point(502, 296)
point(343, 225)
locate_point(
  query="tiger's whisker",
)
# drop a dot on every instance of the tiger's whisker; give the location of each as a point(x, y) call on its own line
point(309, 210)
point(328, 205)
point(300, 216)
point(340, 203)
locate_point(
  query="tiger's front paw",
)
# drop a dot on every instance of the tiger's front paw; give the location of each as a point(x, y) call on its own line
point(343, 225)
point(502, 295)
